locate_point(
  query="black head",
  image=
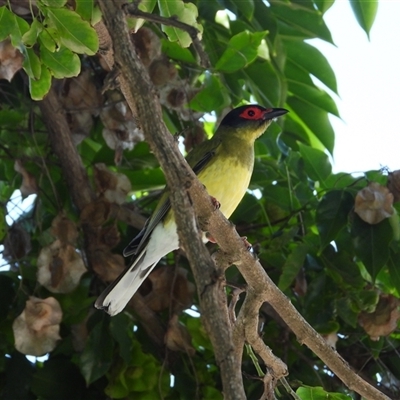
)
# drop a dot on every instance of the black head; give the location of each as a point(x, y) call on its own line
point(251, 113)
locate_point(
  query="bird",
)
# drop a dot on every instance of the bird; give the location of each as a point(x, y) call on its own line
point(224, 165)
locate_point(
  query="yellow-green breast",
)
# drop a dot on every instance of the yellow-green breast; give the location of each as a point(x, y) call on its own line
point(228, 174)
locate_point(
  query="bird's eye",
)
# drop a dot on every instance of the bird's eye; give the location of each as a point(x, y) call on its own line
point(252, 113)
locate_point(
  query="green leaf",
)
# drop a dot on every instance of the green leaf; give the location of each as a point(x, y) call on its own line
point(346, 312)
point(30, 37)
point(176, 52)
point(394, 270)
point(268, 90)
point(315, 120)
point(308, 4)
point(54, 3)
point(264, 19)
point(211, 393)
point(7, 286)
point(296, 73)
point(316, 163)
point(97, 357)
point(17, 372)
point(212, 97)
point(292, 265)
point(241, 51)
point(342, 268)
point(75, 33)
point(89, 11)
point(31, 63)
point(184, 12)
point(327, 327)
point(324, 5)
point(20, 28)
point(146, 179)
point(248, 210)
point(314, 96)
point(119, 330)
point(371, 243)
point(7, 22)
point(303, 20)
point(340, 181)
point(53, 380)
point(394, 220)
point(85, 9)
point(49, 39)
point(311, 61)
point(146, 6)
point(318, 393)
point(281, 196)
point(366, 300)
point(332, 214)
point(10, 118)
point(365, 12)
point(293, 133)
point(246, 7)
point(40, 87)
point(62, 64)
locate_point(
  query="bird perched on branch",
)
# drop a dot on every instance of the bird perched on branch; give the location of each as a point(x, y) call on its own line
point(224, 164)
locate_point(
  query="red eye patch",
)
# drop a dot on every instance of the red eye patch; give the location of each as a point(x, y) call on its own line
point(254, 113)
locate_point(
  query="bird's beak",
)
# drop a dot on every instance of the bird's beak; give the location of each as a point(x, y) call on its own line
point(272, 113)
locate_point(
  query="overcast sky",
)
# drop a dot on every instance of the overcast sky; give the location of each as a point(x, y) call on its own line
point(368, 75)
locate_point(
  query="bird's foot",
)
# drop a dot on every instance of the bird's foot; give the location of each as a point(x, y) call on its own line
point(210, 238)
point(216, 204)
point(248, 245)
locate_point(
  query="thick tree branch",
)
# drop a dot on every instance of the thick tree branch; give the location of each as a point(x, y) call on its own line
point(124, 214)
point(248, 322)
point(136, 85)
point(150, 321)
point(61, 143)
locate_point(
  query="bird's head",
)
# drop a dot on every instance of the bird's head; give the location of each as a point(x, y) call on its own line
point(250, 119)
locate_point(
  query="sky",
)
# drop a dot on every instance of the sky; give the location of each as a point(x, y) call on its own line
point(368, 75)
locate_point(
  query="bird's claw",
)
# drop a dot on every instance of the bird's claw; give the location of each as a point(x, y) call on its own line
point(210, 238)
point(216, 204)
point(247, 244)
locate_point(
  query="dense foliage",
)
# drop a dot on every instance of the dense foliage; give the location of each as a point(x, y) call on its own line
point(330, 241)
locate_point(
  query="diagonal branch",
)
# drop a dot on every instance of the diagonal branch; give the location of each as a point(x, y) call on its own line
point(262, 289)
point(62, 145)
point(136, 84)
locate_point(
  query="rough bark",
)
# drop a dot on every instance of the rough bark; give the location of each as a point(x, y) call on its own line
point(60, 138)
point(135, 84)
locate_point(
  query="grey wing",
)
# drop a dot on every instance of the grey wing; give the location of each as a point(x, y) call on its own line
point(140, 241)
point(203, 162)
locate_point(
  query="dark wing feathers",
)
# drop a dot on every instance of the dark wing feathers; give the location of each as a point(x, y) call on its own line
point(203, 162)
point(141, 239)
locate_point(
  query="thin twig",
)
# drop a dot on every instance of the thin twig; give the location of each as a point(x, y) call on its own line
point(269, 388)
point(133, 10)
point(288, 388)
point(232, 305)
point(253, 358)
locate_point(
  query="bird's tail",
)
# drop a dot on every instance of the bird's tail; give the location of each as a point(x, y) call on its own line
point(115, 297)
